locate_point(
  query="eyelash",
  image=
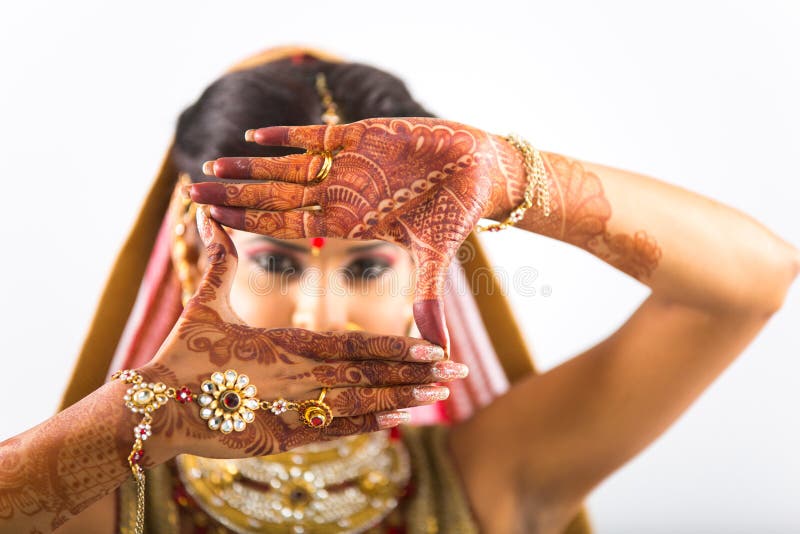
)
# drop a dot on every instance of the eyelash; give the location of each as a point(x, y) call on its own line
point(359, 270)
point(276, 263)
point(368, 268)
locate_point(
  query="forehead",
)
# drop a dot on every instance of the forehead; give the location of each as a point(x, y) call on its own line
point(331, 245)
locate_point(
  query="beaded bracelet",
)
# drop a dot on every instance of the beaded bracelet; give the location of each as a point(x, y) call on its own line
point(537, 186)
point(227, 402)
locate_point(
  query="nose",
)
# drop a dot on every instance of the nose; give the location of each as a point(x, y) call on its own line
point(319, 305)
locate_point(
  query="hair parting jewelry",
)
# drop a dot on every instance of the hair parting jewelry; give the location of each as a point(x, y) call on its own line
point(537, 187)
point(330, 116)
point(227, 401)
point(184, 217)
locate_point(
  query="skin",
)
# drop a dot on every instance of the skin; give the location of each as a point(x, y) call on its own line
point(58, 469)
point(589, 416)
point(425, 194)
point(583, 419)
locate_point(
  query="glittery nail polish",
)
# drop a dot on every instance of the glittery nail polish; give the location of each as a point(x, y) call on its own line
point(431, 393)
point(426, 353)
point(449, 370)
point(390, 419)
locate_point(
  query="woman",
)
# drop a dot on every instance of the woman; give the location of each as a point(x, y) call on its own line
point(280, 297)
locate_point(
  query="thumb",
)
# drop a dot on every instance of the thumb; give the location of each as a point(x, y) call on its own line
point(428, 302)
point(215, 286)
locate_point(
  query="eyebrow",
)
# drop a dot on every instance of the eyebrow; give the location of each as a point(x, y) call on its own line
point(300, 248)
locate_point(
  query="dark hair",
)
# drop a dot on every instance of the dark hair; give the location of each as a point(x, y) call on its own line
point(281, 92)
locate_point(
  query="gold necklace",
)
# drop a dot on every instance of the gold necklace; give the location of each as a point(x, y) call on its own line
point(346, 485)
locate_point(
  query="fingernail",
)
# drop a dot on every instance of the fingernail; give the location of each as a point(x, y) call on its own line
point(431, 393)
point(209, 193)
point(250, 135)
point(449, 370)
point(204, 225)
point(426, 353)
point(208, 168)
point(233, 217)
point(185, 191)
point(391, 419)
point(429, 316)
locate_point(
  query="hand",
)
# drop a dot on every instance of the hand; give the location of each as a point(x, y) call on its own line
point(369, 376)
point(419, 182)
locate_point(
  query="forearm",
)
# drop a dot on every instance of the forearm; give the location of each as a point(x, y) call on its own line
point(687, 248)
point(53, 471)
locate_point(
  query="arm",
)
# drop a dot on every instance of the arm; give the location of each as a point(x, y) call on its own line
point(564, 431)
point(716, 275)
point(687, 248)
point(55, 470)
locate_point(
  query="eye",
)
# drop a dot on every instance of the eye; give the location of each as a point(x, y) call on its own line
point(366, 269)
point(275, 262)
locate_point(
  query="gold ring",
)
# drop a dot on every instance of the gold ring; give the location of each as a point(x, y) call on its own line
point(326, 166)
point(315, 413)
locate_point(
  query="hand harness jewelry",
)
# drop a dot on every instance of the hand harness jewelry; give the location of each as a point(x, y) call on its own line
point(537, 187)
point(227, 402)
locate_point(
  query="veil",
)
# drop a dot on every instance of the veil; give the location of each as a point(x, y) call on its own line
point(141, 301)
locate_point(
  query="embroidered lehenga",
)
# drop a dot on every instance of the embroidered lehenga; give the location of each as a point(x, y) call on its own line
point(398, 481)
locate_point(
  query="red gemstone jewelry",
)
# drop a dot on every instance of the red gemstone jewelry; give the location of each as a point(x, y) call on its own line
point(228, 401)
point(315, 413)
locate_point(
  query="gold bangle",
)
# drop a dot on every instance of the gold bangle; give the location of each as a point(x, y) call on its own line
point(145, 398)
point(537, 186)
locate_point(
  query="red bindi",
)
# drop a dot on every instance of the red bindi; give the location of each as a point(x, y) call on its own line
point(316, 244)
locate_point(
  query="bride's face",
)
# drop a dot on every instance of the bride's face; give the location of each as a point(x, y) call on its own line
point(342, 284)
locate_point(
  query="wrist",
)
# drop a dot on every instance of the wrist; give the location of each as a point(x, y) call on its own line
point(508, 180)
point(157, 447)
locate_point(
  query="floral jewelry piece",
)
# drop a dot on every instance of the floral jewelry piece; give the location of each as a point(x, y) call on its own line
point(227, 401)
point(537, 186)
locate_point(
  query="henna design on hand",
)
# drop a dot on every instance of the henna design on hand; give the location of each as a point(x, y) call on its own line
point(54, 471)
point(372, 373)
point(359, 401)
point(580, 213)
point(279, 361)
point(418, 182)
point(205, 331)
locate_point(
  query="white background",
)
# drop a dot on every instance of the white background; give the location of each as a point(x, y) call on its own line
point(701, 94)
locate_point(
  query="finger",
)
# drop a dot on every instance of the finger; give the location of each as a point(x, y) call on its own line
point(380, 373)
point(430, 321)
point(361, 400)
point(283, 225)
point(348, 426)
point(354, 346)
point(430, 273)
point(294, 168)
point(215, 286)
point(273, 196)
point(313, 137)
